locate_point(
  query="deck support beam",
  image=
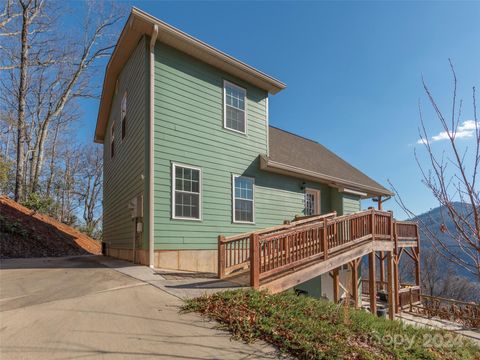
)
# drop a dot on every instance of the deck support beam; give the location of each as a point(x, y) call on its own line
point(372, 283)
point(416, 251)
point(336, 285)
point(381, 257)
point(354, 267)
point(391, 287)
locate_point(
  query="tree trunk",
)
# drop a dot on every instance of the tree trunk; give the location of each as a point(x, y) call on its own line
point(22, 93)
point(38, 155)
point(52, 161)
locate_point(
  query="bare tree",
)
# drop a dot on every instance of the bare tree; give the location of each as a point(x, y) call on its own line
point(453, 286)
point(432, 272)
point(8, 14)
point(45, 72)
point(451, 177)
point(90, 189)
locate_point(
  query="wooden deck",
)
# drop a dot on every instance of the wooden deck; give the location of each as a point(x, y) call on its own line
point(283, 256)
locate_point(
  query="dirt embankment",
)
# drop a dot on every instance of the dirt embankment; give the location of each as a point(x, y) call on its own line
point(26, 233)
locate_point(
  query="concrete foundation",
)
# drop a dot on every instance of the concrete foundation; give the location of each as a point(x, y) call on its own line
point(186, 260)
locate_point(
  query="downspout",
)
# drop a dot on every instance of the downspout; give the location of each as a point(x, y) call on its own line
point(151, 194)
point(268, 126)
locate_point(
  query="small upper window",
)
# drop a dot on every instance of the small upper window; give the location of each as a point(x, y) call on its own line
point(186, 182)
point(112, 140)
point(123, 115)
point(234, 111)
point(243, 203)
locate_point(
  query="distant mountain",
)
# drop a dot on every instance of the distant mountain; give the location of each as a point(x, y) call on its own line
point(438, 218)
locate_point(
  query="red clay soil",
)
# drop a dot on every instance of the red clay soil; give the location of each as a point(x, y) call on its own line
point(25, 233)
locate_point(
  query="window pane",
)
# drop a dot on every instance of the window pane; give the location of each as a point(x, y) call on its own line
point(187, 205)
point(235, 97)
point(187, 179)
point(195, 175)
point(178, 184)
point(244, 188)
point(187, 185)
point(244, 210)
point(195, 186)
point(235, 119)
point(178, 210)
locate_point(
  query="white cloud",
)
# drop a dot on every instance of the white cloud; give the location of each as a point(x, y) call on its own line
point(464, 130)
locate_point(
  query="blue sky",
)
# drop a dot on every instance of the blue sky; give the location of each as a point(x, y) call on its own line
point(353, 71)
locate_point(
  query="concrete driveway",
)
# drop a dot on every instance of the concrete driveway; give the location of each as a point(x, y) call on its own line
point(78, 308)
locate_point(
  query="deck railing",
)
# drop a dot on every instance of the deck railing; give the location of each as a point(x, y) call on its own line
point(408, 295)
point(274, 250)
point(234, 251)
point(406, 231)
point(465, 313)
point(379, 285)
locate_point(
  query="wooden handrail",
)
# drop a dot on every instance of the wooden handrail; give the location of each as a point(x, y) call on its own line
point(450, 300)
point(276, 249)
point(293, 224)
point(465, 313)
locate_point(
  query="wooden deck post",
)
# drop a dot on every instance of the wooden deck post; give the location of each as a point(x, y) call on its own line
point(382, 269)
point(410, 299)
point(221, 257)
point(336, 285)
point(390, 286)
point(416, 251)
point(372, 282)
point(372, 223)
point(354, 266)
point(325, 239)
point(254, 261)
point(396, 261)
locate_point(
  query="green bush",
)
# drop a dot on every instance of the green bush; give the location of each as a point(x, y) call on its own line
point(41, 204)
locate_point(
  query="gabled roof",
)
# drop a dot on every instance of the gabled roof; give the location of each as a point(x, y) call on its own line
point(140, 23)
point(297, 156)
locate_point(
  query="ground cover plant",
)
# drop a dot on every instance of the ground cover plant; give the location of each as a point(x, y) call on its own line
point(308, 328)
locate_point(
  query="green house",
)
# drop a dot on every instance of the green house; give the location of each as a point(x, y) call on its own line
point(189, 153)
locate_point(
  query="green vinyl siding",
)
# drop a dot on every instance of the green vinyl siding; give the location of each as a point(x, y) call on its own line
point(344, 203)
point(189, 130)
point(351, 203)
point(124, 174)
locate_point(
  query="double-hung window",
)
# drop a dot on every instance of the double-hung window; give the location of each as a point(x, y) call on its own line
point(123, 115)
point(186, 185)
point(243, 199)
point(235, 116)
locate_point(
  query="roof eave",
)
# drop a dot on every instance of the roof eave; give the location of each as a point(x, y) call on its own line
point(285, 169)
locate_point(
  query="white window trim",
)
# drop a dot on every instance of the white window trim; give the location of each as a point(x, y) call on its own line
point(226, 82)
point(123, 117)
point(234, 176)
point(112, 138)
point(200, 199)
point(318, 204)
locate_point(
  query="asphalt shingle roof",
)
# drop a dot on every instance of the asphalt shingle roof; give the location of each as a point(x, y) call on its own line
point(293, 150)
